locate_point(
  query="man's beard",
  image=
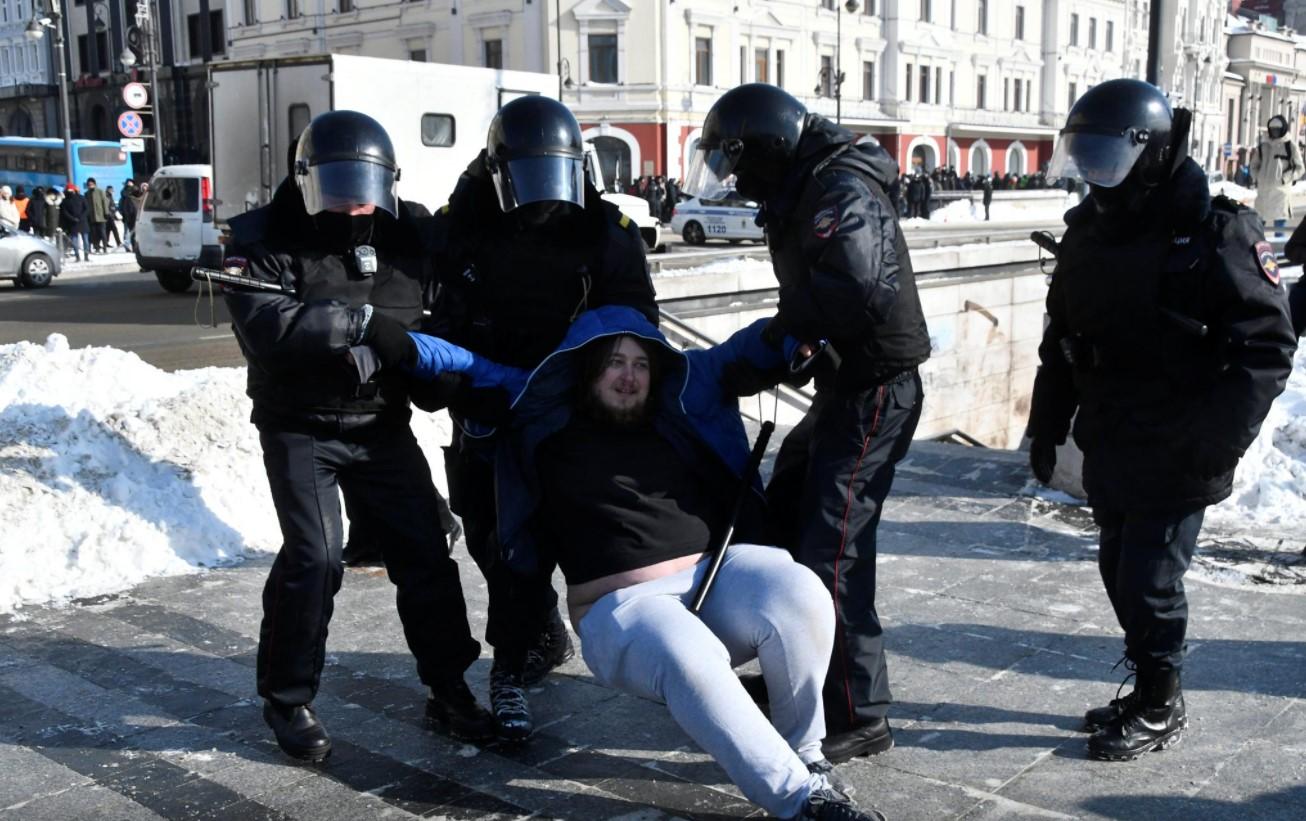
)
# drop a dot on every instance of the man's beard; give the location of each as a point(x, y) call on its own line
point(620, 418)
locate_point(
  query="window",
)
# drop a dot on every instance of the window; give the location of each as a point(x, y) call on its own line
point(761, 65)
point(299, 115)
point(603, 58)
point(1074, 29)
point(292, 9)
point(1110, 35)
point(952, 88)
point(927, 12)
point(417, 55)
point(438, 130)
point(743, 64)
point(1029, 90)
point(250, 8)
point(908, 84)
point(938, 86)
point(1020, 22)
point(493, 53)
point(982, 16)
point(1016, 86)
point(1006, 94)
point(827, 76)
point(981, 87)
point(217, 34)
point(99, 155)
point(868, 8)
point(780, 68)
point(828, 5)
point(702, 61)
point(346, 6)
point(868, 80)
point(925, 84)
point(1072, 95)
point(1092, 32)
point(101, 52)
point(173, 194)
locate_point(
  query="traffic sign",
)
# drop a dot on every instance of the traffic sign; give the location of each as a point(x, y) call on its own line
point(130, 124)
point(133, 145)
point(135, 95)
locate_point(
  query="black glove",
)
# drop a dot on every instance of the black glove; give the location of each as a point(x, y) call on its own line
point(1043, 458)
point(1208, 460)
point(389, 338)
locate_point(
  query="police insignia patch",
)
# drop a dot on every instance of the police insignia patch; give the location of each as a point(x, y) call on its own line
point(825, 222)
point(1265, 260)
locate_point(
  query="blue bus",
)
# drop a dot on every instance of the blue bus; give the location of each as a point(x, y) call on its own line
point(33, 161)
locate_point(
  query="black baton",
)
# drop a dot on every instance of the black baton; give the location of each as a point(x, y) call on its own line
point(233, 279)
point(745, 487)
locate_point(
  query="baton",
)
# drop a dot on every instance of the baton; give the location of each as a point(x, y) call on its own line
point(1046, 241)
point(745, 487)
point(232, 279)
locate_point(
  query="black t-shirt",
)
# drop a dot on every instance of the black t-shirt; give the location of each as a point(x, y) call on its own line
point(617, 499)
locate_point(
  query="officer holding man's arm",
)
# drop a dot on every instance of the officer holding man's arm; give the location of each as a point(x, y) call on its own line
point(525, 245)
point(845, 279)
point(1168, 332)
point(327, 359)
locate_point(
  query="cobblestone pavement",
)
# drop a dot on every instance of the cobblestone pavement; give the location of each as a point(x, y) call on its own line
point(142, 705)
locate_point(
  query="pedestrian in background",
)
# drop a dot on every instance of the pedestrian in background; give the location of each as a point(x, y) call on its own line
point(74, 219)
point(127, 207)
point(99, 211)
point(111, 224)
point(987, 187)
point(36, 211)
point(21, 200)
point(8, 210)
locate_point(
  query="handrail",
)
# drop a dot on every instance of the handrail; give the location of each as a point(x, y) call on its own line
point(686, 336)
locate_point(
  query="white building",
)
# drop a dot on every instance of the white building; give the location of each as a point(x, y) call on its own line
point(26, 99)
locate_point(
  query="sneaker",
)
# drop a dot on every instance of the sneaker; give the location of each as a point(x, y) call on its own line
point(452, 706)
point(825, 768)
point(828, 804)
point(508, 701)
point(552, 648)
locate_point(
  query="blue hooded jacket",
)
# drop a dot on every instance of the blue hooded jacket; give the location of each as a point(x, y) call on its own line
point(692, 410)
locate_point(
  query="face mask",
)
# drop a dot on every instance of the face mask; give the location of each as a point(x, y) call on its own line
point(343, 230)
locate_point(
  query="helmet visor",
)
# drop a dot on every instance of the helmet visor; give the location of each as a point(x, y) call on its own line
point(539, 179)
point(711, 174)
point(1099, 159)
point(347, 183)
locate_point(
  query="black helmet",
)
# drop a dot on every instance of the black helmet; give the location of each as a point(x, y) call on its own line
point(1277, 127)
point(752, 132)
point(345, 158)
point(1118, 126)
point(534, 153)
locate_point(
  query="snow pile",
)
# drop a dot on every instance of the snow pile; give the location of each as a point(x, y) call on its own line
point(1269, 489)
point(112, 471)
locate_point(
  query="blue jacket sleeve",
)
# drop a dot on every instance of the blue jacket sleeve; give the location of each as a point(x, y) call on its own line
point(436, 356)
point(746, 345)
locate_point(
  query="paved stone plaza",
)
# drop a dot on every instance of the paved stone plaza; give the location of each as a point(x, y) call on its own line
point(142, 705)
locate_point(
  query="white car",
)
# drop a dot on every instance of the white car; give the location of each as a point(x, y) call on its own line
point(732, 217)
point(176, 231)
point(28, 260)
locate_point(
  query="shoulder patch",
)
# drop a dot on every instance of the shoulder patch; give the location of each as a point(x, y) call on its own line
point(624, 222)
point(1266, 261)
point(826, 222)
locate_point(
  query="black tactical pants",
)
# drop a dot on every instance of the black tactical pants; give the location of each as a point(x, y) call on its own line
point(831, 478)
point(385, 474)
point(1143, 558)
point(519, 604)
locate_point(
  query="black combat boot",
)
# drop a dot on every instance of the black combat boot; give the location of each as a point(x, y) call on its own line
point(1154, 720)
point(508, 701)
point(452, 706)
point(298, 731)
point(869, 739)
point(552, 647)
point(1098, 717)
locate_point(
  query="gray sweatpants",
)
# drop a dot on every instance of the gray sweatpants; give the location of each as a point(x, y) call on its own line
point(644, 640)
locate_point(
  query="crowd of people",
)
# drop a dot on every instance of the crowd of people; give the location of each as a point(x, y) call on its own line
point(80, 221)
point(660, 193)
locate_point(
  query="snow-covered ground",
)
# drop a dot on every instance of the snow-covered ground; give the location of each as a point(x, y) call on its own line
point(112, 471)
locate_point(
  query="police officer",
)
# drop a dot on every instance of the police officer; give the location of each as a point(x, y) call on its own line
point(524, 245)
point(846, 281)
point(326, 372)
point(1168, 332)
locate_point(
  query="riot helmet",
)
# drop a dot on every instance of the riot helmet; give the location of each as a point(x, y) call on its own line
point(751, 134)
point(1277, 127)
point(345, 158)
point(534, 154)
point(1119, 127)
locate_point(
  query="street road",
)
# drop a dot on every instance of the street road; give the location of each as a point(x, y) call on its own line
point(126, 311)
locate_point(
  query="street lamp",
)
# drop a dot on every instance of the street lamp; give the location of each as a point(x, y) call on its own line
point(835, 78)
point(35, 31)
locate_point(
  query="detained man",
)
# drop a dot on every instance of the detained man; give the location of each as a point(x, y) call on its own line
point(621, 462)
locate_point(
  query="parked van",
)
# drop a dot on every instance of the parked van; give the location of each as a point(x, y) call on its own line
point(175, 230)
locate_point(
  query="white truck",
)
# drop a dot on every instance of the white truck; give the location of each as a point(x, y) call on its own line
point(437, 116)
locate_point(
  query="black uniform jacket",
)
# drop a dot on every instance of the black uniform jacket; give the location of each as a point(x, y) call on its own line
point(842, 262)
point(1125, 345)
point(510, 294)
point(297, 344)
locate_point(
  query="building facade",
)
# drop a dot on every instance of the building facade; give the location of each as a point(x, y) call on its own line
point(28, 102)
point(1266, 76)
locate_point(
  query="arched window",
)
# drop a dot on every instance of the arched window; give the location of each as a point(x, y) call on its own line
point(1016, 163)
point(924, 154)
point(981, 158)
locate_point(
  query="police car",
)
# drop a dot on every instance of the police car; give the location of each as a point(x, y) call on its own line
point(732, 217)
